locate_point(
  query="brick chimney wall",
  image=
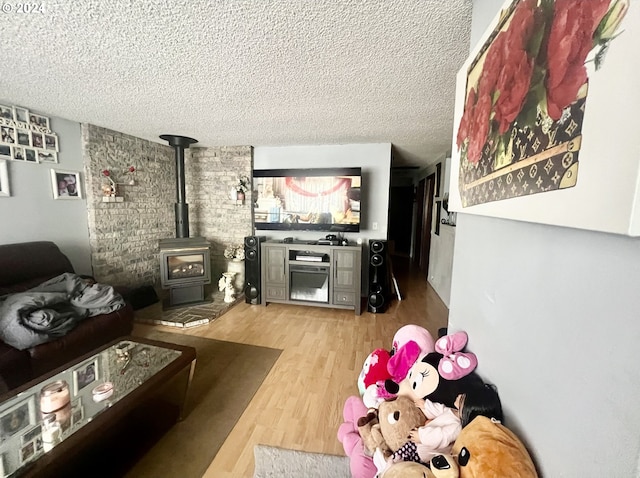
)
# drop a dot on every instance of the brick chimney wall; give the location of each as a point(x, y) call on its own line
point(124, 235)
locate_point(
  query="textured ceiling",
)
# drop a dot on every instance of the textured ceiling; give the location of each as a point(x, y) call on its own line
point(246, 72)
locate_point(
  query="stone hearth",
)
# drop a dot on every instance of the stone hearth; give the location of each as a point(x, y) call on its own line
point(188, 316)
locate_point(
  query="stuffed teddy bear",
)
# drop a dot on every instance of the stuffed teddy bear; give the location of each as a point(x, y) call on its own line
point(486, 448)
point(390, 427)
point(369, 430)
point(407, 469)
point(385, 432)
point(442, 466)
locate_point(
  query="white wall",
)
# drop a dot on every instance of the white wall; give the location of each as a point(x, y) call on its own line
point(441, 248)
point(441, 261)
point(553, 315)
point(31, 213)
point(373, 158)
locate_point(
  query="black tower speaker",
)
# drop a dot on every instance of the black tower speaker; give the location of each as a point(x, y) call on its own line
point(252, 288)
point(379, 279)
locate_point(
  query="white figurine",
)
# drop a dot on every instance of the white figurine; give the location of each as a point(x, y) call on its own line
point(226, 283)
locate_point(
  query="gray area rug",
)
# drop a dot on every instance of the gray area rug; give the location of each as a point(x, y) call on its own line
point(272, 462)
point(226, 377)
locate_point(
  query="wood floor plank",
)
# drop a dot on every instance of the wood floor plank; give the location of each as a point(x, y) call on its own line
point(299, 404)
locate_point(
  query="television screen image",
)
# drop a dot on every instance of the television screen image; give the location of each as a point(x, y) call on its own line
point(307, 199)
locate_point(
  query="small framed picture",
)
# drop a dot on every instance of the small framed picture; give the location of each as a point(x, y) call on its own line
point(37, 140)
point(18, 417)
point(18, 153)
point(5, 152)
point(38, 120)
point(51, 142)
point(24, 138)
point(65, 184)
point(32, 434)
point(21, 114)
point(77, 415)
point(85, 375)
point(6, 112)
point(27, 451)
point(47, 156)
point(8, 134)
point(4, 180)
point(30, 155)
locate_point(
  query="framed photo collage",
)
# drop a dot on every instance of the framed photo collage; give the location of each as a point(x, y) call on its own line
point(26, 136)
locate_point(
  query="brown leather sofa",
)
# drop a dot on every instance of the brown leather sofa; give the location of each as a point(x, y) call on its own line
point(26, 265)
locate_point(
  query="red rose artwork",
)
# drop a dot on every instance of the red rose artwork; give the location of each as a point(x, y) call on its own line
point(570, 41)
point(526, 94)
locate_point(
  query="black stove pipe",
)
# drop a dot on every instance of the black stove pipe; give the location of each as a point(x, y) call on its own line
point(179, 143)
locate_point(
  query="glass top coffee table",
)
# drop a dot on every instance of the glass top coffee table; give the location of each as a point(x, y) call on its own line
point(56, 415)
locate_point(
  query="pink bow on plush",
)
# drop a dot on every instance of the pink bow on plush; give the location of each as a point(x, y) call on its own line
point(399, 364)
point(454, 363)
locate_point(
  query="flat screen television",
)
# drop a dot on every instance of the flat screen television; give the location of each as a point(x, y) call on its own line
point(319, 199)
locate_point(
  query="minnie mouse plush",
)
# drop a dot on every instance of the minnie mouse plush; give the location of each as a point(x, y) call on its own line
point(442, 375)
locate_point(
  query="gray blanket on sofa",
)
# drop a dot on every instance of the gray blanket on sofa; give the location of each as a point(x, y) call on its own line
point(52, 309)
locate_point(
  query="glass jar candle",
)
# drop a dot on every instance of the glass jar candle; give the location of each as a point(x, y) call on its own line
point(51, 431)
point(54, 396)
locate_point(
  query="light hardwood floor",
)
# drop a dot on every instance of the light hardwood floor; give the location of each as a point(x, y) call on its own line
point(299, 405)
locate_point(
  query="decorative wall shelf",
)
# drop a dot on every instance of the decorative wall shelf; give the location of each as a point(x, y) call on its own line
point(112, 198)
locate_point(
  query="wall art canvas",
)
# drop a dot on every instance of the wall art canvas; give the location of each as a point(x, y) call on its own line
point(544, 120)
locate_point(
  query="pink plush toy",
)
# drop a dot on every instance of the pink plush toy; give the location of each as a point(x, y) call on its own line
point(360, 463)
point(374, 369)
point(372, 378)
point(409, 343)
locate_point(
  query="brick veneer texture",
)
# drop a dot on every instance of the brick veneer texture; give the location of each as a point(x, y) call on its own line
point(124, 235)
